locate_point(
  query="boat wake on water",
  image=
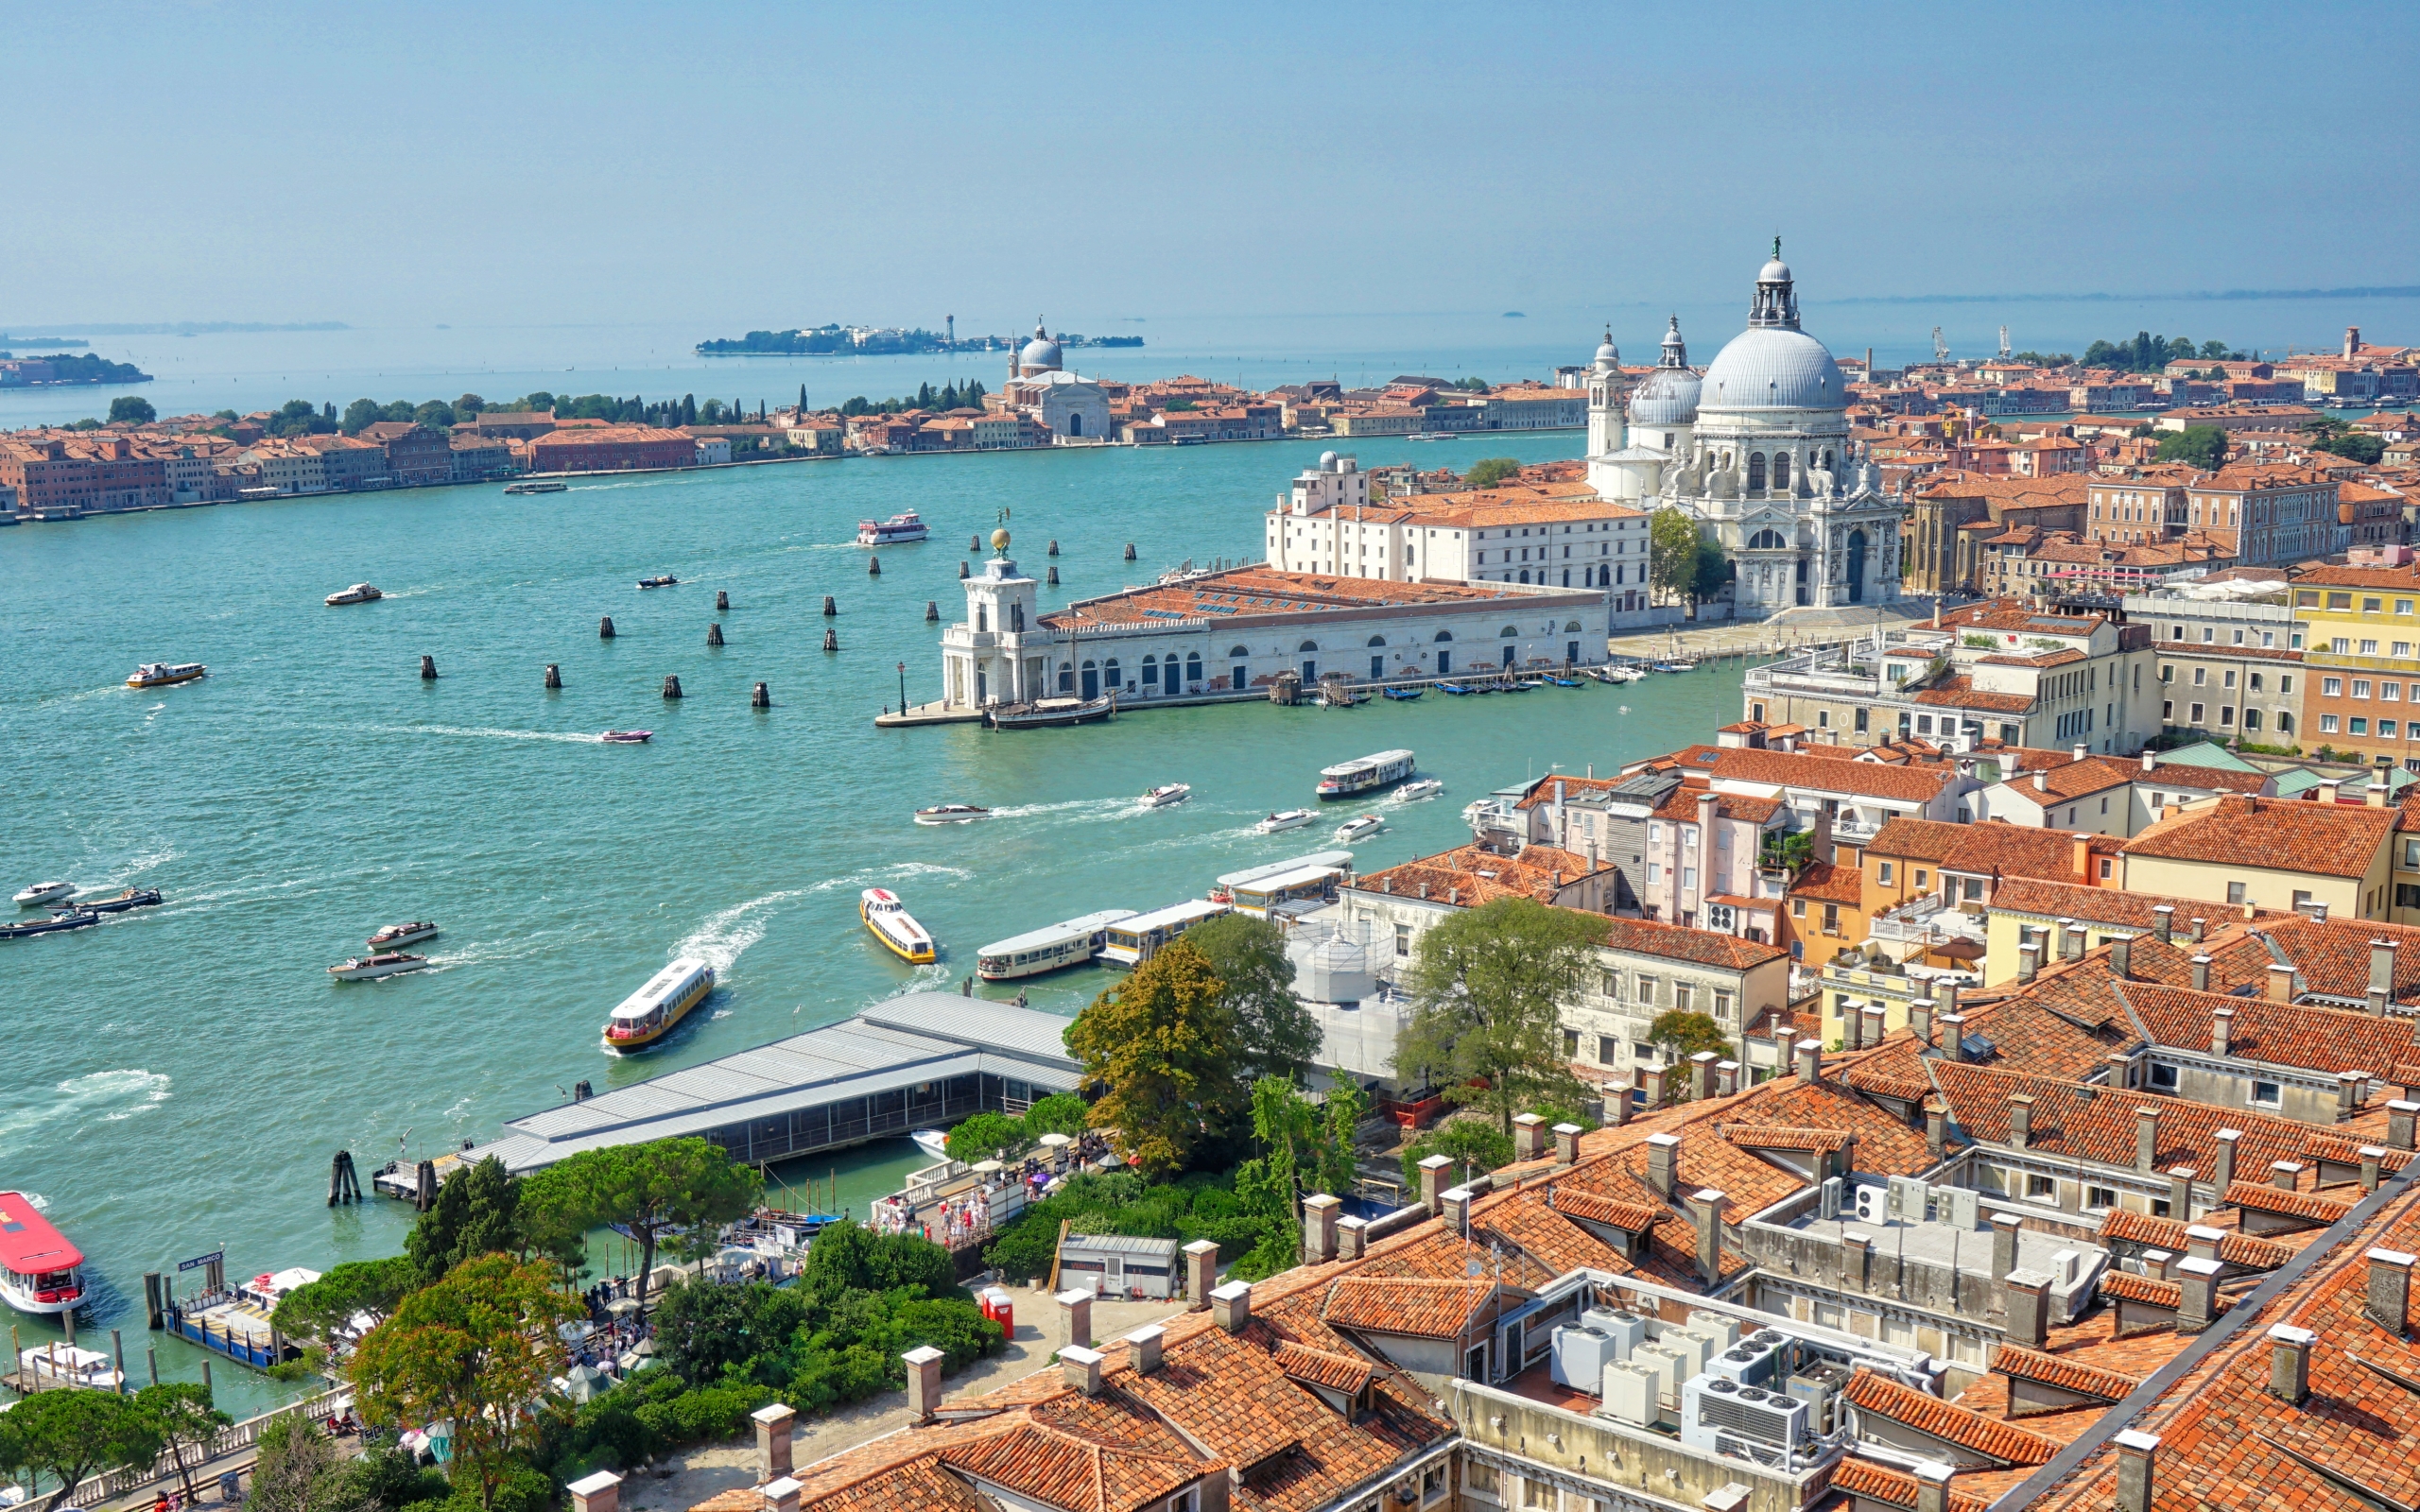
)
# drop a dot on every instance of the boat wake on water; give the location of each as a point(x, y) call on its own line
point(104, 1096)
point(898, 872)
point(726, 932)
point(571, 737)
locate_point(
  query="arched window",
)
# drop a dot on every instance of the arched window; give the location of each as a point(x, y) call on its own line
point(1378, 639)
point(1109, 674)
point(1308, 647)
point(1766, 539)
point(1525, 574)
point(1781, 470)
point(1193, 668)
point(1066, 677)
point(1755, 470)
point(1151, 675)
point(1239, 652)
point(1507, 633)
point(1571, 626)
point(1443, 636)
point(1828, 459)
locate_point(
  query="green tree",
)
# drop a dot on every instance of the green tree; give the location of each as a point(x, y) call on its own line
point(469, 407)
point(1275, 1036)
point(346, 1290)
point(1162, 1045)
point(1487, 987)
point(300, 1469)
point(654, 1188)
point(1490, 471)
point(704, 1329)
point(1058, 1113)
point(1472, 1143)
point(436, 414)
point(982, 1137)
point(1683, 1035)
point(1709, 574)
point(1178, 406)
point(359, 413)
point(1472, 385)
point(688, 409)
point(477, 1212)
point(1268, 1187)
point(2362, 447)
point(1672, 553)
point(1341, 1113)
point(2203, 446)
point(68, 1435)
point(2214, 351)
point(131, 409)
point(849, 1257)
point(180, 1413)
point(477, 1349)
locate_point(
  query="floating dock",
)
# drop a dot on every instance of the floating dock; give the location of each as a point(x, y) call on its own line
point(920, 1060)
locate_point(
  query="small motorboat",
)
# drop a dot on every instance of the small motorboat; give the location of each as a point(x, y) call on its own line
point(65, 919)
point(889, 921)
point(951, 814)
point(130, 897)
point(1522, 684)
point(1621, 708)
point(904, 526)
point(1620, 674)
point(627, 737)
point(384, 963)
point(933, 1142)
point(545, 486)
point(357, 594)
point(1284, 819)
point(161, 674)
point(1407, 695)
point(1358, 826)
point(664, 581)
point(394, 935)
point(1419, 790)
point(44, 892)
point(1161, 796)
point(1675, 666)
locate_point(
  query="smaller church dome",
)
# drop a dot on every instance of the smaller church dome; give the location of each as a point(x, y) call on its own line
point(1608, 356)
point(1774, 272)
point(1041, 352)
point(1667, 396)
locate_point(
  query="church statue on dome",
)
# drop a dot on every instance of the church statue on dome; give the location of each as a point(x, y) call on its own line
point(1756, 447)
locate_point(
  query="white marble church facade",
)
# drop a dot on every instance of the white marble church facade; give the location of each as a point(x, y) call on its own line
point(1757, 448)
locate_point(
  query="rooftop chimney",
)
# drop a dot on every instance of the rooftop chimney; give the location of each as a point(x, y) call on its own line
point(2081, 750)
point(1319, 1228)
point(2200, 926)
point(1810, 1061)
point(1230, 1306)
point(1663, 1161)
point(2020, 1120)
point(1953, 1035)
point(2180, 1193)
point(1075, 1308)
point(2400, 1117)
point(2028, 1302)
point(1201, 1271)
point(2382, 975)
point(774, 1426)
point(2138, 1464)
point(1080, 1368)
point(1944, 996)
point(782, 1495)
point(1707, 1207)
point(2202, 1242)
point(1936, 1127)
point(2070, 940)
point(2390, 1289)
point(2121, 958)
point(1529, 1137)
point(2221, 1027)
point(2146, 1139)
point(1567, 1144)
point(2163, 922)
point(1920, 1020)
point(1143, 1349)
point(2290, 1362)
point(2201, 984)
point(601, 1492)
point(1932, 1485)
point(2028, 960)
point(1433, 1182)
point(1702, 1075)
point(2224, 1176)
point(1877, 1022)
point(2005, 1227)
point(1351, 1237)
point(2080, 858)
point(2150, 762)
point(2041, 780)
point(2198, 1278)
point(2282, 1174)
point(924, 1383)
point(2372, 1158)
point(2281, 982)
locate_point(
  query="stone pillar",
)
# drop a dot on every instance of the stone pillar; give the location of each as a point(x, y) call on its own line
point(1076, 1313)
point(601, 1492)
point(775, 1425)
point(1320, 1213)
point(2180, 1193)
point(1201, 1271)
point(1857, 1254)
point(923, 1388)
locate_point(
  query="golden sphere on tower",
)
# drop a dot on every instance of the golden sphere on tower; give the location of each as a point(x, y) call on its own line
point(1001, 538)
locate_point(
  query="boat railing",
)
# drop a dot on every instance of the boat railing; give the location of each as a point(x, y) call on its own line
point(227, 1441)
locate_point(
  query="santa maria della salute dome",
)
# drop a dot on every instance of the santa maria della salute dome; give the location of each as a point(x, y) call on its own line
point(1756, 447)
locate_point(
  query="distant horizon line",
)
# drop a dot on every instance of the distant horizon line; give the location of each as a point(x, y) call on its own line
point(65, 331)
point(2391, 291)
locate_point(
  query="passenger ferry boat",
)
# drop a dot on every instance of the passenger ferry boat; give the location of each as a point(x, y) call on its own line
point(898, 527)
point(890, 922)
point(1136, 938)
point(357, 594)
point(1070, 943)
point(160, 673)
point(545, 486)
point(395, 935)
point(1368, 775)
point(649, 1014)
point(36, 1263)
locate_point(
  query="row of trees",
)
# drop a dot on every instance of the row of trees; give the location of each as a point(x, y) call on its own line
point(947, 397)
point(2151, 354)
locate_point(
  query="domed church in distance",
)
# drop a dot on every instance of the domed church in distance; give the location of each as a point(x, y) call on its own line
point(1757, 448)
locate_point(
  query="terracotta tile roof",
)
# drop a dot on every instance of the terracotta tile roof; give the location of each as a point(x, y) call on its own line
point(2149, 1290)
point(2308, 1205)
point(1704, 947)
point(1997, 848)
point(919, 1486)
point(2052, 1029)
point(2067, 1375)
point(1860, 779)
point(1423, 1309)
point(2280, 1034)
point(1916, 839)
point(1823, 882)
point(1471, 875)
point(1781, 1137)
point(1870, 1482)
point(1337, 1372)
point(1957, 692)
point(1256, 593)
point(2334, 956)
point(1681, 805)
point(2239, 1249)
point(2042, 898)
point(1870, 1392)
point(2073, 779)
point(1594, 1207)
point(2325, 839)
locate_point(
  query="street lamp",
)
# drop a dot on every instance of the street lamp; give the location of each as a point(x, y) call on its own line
point(903, 687)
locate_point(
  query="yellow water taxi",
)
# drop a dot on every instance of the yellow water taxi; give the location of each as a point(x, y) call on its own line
point(890, 922)
point(649, 1014)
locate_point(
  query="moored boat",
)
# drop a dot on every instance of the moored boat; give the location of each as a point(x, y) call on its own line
point(1366, 775)
point(651, 1012)
point(1413, 792)
point(395, 935)
point(163, 674)
point(627, 737)
point(1137, 939)
point(1407, 695)
point(902, 526)
point(44, 892)
point(65, 919)
point(1358, 826)
point(1675, 666)
point(357, 594)
point(1455, 690)
point(933, 1142)
point(1284, 819)
point(887, 920)
point(38, 1266)
point(1167, 793)
point(1070, 942)
point(130, 897)
point(537, 486)
point(951, 814)
point(1561, 681)
point(380, 963)
point(1045, 712)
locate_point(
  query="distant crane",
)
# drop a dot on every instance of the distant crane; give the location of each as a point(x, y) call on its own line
point(2003, 343)
point(1940, 347)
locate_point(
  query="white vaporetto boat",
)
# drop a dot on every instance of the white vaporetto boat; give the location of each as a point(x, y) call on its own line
point(161, 674)
point(44, 892)
point(384, 963)
point(1284, 819)
point(903, 527)
point(654, 1010)
point(1071, 942)
point(1426, 787)
point(1159, 798)
point(357, 594)
point(1369, 774)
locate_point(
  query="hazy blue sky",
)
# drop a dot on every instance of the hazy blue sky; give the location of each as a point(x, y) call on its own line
point(734, 165)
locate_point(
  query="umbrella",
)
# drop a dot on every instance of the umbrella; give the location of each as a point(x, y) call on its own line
point(584, 1382)
point(622, 1306)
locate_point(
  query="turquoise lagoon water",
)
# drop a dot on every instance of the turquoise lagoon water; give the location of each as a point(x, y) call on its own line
point(177, 1078)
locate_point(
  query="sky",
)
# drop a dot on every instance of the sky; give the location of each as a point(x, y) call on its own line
point(739, 166)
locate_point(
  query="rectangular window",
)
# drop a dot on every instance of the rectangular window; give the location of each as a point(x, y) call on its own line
point(1571, 1044)
point(1920, 871)
point(2392, 692)
point(2361, 687)
point(2386, 730)
point(1723, 1005)
point(1403, 941)
point(2099, 1199)
point(1646, 991)
point(1683, 997)
point(2327, 726)
point(2197, 713)
point(2302, 899)
point(2163, 1078)
point(1883, 875)
point(2267, 1095)
point(1831, 919)
point(2200, 677)
point(2040, 1188)
point(1608, 1049)
point(2235, 892)
point(2360, 727)
point(2371, 606)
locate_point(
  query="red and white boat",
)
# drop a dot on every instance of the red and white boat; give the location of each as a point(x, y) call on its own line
point(36, 1263)
point(625, 737)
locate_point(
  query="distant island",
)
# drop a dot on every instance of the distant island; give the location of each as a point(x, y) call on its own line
point(170, 328)
point(877, 341)
point(66, 367)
